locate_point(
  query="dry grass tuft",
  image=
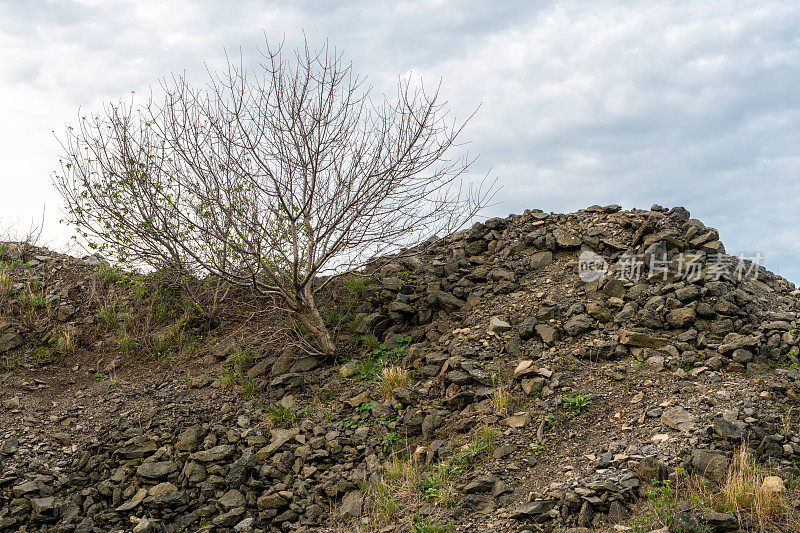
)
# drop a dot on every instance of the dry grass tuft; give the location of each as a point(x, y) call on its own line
point(391, 378)
point(65, 341)
point(745, 495)
point(397, 488)
point(501, 399)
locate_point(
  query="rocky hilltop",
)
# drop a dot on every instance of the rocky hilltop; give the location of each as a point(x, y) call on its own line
point(600, 370)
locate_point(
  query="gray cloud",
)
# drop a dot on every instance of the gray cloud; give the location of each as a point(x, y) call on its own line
point(681, 103)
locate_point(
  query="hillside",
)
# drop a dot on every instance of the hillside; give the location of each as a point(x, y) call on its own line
point(604, 369)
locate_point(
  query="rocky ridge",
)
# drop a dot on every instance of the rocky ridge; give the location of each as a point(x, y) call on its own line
point(593, 379)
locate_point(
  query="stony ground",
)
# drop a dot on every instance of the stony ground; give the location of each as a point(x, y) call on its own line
point(531, 399)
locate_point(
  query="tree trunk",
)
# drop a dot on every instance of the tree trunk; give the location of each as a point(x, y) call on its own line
point(312, 320)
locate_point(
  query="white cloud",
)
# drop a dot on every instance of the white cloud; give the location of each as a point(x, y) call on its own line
point(683, 103)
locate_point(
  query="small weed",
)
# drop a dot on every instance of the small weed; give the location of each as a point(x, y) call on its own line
point(127, 344)
point(390, 438)
point(742, 493)
point(369, 341)
point(355, 288)
point(249, 387)
point(5, 281)
point(371, 367)
point(280, 416)
point(577, 402)
point(661, 502)
point(226, 377)
point(483, 440)
point(110, 379)
point(240, 360)
point(108, 314)
point(33, 299)
point(437, 484)
point(787, 422)
point(425, 524)
point(332, 317)
point(109, 275)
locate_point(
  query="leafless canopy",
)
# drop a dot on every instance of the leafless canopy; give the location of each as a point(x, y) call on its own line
point(269, 178)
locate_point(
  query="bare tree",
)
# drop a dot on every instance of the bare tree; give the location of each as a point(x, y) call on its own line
point(274, 179)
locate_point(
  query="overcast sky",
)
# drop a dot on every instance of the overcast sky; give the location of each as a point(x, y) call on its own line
point(677, 103)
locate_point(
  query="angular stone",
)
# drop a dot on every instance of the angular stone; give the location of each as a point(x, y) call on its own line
point(65, 312)
point(11, 403)
point(540, 260)
point(476, 247)
point(578, 324)
point(279, 438)
point(532, 509)
point(430, 424)
point(28, 487)
point(157, 469)
point(481, 484)
point(133, 502)
point(517, 420)
point(402, 308)
point(772, 485)
point(48, 506)
point(271, 501)
point(710, 464)
point(305, 364)
point(728, 430)
point(678, 418)
point(681, 318)
point(189, 440)
point(162, 488)
point(9, 446)
point(617, 513)
point(527, 328)
point(10, 341)
point(655, 363)
point(548, 333)
point(352, 504)
point(566, 239)
point(289, 380)
point(650, 469)
point(447, 300)
point(144, 526)
point(215, 454)
point(374, 322)
point(137, 448)
point(245, 526)
point(498, 325)
point(525, 369)
point(349, 369)
point(229, 519)
point(598, 312)
point(231, 500)
point(641, 340)
point(193, 472)
point(614, 288)
point(532, 386)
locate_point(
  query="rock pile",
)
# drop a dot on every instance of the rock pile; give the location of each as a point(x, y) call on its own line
point(609, 349)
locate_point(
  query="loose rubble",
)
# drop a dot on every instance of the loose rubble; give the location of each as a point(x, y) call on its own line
point(614, 383)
